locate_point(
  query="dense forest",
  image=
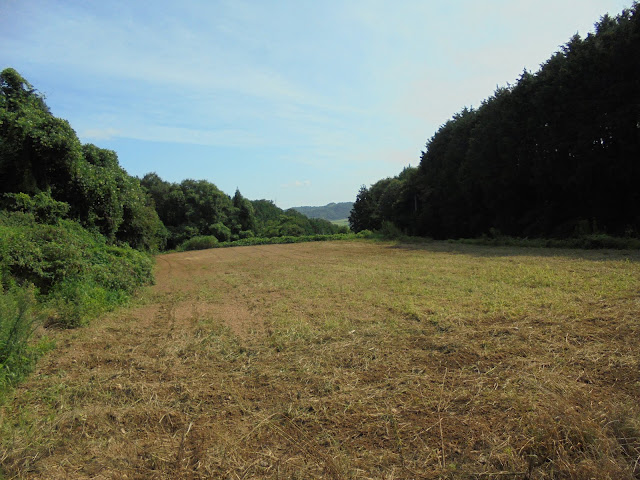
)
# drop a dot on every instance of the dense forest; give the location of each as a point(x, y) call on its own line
point(557, 154)
point(198, 208)
point(331, 211)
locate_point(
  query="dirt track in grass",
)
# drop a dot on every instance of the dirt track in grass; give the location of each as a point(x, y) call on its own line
point(347, 360)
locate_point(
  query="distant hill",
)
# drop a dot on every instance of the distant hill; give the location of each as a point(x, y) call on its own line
point(332, 211)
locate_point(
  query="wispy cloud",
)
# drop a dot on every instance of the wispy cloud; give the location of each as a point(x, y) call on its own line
point(99, 133)
point(157, 133)
point(297, 184)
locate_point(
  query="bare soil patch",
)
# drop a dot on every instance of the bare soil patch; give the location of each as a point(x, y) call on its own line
point(351, 360)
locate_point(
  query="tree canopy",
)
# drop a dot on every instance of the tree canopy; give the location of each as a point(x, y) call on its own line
point(198, 208)
point(41, 153)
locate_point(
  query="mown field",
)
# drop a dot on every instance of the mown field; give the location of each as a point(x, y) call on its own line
point(347, 360)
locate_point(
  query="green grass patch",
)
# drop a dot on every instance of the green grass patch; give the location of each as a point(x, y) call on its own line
point(343, 222)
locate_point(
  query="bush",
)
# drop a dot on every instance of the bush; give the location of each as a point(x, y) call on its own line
point(42, 254)
point(201, 242)
point(111, 275)
point(365, 234)
point(220, 231)
point(44, 208)
point(76, 274)
point(289, 239)
point(205, 242)
point(75, 302)
point(601, 240)
point(390, 231)
point(119, 268)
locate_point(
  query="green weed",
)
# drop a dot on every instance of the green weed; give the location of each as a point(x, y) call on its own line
point(17, 324)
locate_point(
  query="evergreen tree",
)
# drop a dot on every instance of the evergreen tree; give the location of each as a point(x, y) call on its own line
point(556, 154)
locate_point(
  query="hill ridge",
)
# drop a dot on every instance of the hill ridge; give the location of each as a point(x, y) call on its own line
point(330, 211)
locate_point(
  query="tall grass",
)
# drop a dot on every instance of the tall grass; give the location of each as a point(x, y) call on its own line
point(17, 323)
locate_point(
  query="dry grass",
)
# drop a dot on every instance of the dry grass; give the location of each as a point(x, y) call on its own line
point(347, 361)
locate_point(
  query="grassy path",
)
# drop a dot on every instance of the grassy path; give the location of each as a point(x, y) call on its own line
point(347, 360)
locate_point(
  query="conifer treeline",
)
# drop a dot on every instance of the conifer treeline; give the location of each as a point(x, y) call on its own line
point(556, 154)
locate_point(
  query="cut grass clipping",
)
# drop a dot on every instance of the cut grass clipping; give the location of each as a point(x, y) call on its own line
point(347, 360)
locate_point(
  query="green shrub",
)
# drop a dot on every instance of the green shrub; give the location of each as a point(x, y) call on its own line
point(601, 240)
point(220, 231)
point(74, 302)
point(42, 254)
point(365, 234)
point(287, 239)
point(119, 268)
point(44, 208)
point(390, 231)
point(111, 276)
point(76, 274)
point(205, 242)
point(201, 242)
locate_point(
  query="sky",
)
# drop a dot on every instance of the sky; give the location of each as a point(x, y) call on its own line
point(296, 101)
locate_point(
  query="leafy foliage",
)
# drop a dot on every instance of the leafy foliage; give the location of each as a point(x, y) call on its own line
point(76, 274)
point(196, 208)
point(201, 242)
point(40, 153)
point(43, 208)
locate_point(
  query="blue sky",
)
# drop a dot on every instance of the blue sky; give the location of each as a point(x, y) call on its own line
point(300, 102)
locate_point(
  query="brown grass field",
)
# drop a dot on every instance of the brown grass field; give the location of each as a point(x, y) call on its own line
point(347, 360)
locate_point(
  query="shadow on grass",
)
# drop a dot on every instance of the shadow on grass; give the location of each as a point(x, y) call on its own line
point(521, 250)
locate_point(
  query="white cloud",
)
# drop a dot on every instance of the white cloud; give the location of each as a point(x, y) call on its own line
point(297, 184)
point(99, 133)
point(222, 137)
